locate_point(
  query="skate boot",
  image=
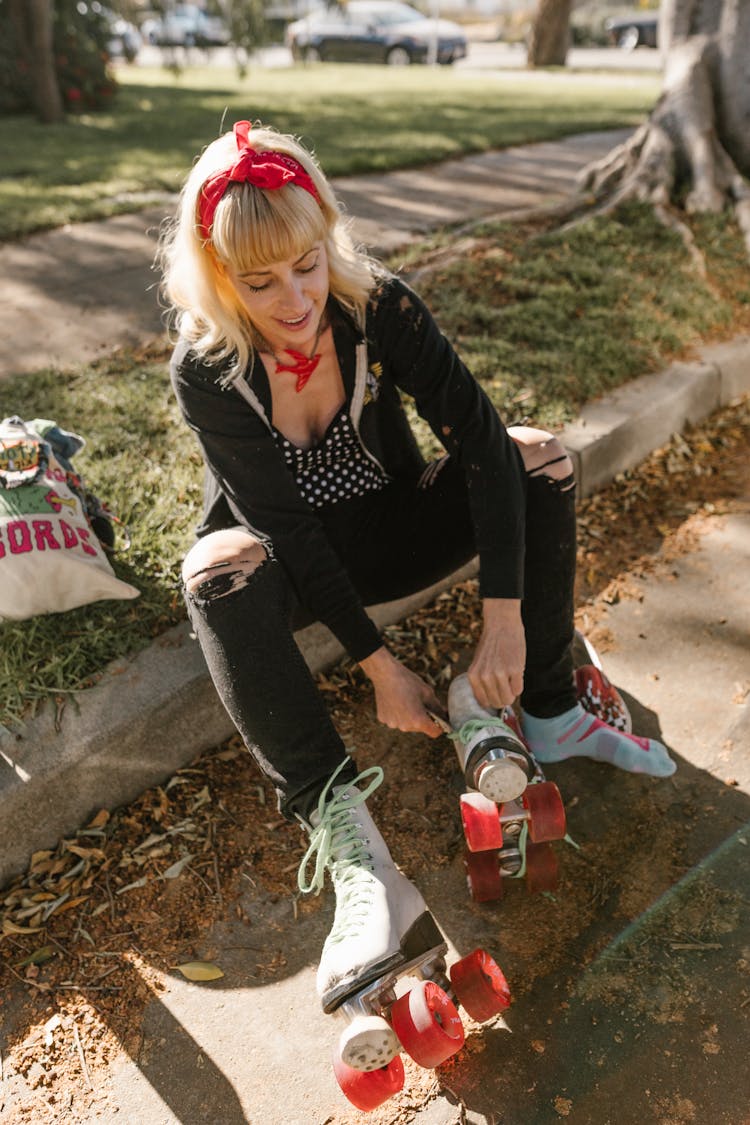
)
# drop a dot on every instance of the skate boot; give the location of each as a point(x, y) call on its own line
point(491, 753)
point(596, 693)
point(381, 922)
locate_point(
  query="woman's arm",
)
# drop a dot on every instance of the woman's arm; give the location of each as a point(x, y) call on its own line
point(423, 364)
point(496, 672)
point(447, 396)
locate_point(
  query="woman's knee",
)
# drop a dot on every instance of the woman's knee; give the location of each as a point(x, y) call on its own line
point(543, 455)
point(230, 556)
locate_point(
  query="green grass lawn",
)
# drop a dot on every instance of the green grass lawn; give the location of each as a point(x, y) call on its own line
point(547, 320)
point(356, 118)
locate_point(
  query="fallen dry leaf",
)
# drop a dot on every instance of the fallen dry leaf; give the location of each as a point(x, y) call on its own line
point(200, 970)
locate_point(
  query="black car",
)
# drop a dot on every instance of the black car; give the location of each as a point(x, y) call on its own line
point(638, 30)
point(375, 31)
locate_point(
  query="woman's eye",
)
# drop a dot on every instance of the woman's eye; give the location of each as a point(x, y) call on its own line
point(256, 288)
point(308, 269)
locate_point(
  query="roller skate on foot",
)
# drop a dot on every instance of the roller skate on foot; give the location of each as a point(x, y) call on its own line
point(510, 812)
point(595, 691)
point(598, 726)
point(382, 931)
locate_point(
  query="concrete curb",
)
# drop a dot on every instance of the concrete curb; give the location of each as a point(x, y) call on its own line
point(617, 432)
point(153, 714)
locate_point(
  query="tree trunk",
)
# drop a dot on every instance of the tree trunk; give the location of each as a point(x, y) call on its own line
point(695, 147)
point(550, 33)
point(49, 104)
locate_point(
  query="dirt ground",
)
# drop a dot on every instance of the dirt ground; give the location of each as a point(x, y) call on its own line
point(89, 931)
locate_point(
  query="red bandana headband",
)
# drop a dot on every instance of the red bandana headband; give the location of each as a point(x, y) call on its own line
point(267, 170)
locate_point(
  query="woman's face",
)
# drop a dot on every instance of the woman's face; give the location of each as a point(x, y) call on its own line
point(286, 300)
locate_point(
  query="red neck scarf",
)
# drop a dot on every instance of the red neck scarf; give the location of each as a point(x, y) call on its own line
point(302, 367)
point(267, 170)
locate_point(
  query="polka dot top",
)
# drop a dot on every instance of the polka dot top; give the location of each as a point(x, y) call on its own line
point(336, 468)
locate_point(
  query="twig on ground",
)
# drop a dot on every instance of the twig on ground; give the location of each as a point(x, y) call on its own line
point(81, 1056)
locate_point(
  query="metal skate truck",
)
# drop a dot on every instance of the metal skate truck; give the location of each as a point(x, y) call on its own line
point(511, 814)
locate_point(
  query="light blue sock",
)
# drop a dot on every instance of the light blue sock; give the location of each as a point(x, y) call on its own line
point(577, 734)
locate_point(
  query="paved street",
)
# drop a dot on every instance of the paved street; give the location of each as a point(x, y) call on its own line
point(482, 55)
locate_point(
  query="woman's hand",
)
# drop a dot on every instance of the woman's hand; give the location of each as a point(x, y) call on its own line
point(496, 672)
point(402, 698)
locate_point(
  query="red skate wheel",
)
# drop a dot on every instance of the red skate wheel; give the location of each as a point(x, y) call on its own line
point(367, 1089)
point(480, 985)
point(541, 868)
point(602, 699)
point(546, 811)
point(483, 876)
point(427, 1024)
point(481, 820)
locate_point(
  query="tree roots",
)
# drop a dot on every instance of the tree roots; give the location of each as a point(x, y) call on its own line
point(677, 152)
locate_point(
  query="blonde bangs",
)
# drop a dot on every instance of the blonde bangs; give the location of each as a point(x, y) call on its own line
point(253, 229)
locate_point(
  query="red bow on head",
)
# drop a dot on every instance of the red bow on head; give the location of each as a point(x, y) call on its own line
point(266, 170)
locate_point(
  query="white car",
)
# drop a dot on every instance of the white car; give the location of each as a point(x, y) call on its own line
point(374, 31)
point(186, 25)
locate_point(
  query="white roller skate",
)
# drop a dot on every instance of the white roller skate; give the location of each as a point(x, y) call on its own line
point(382, 931)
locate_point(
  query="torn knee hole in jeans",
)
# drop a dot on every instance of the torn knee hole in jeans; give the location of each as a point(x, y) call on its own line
point(558, 473)
point(220, 585)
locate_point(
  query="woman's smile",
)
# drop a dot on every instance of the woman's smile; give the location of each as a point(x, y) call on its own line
point(286, 300)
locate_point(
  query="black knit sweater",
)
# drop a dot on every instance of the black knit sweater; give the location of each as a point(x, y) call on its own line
point(405, 352)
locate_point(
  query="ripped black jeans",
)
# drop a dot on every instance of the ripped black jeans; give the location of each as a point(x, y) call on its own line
point(392, 543)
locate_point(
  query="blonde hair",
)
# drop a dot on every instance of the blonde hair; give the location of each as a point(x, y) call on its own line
point(252, 228)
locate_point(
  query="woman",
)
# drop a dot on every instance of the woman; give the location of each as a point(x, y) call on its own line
point(294, 348)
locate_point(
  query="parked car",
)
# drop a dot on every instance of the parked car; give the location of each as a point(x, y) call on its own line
point(374, 31)
point(186, 25)
point(640, 29)
point(124, 39)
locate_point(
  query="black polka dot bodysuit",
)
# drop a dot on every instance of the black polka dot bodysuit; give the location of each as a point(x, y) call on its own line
point(335, 468)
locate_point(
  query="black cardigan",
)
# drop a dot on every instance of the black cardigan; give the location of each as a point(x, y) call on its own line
point(405, 351)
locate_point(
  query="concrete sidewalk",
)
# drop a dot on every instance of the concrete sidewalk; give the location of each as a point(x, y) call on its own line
point(611, 1024)
point(76, 293)
point(642, 1025)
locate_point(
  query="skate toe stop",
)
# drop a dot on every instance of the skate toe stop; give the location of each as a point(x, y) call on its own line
point(368, 1043)
point(502, 780)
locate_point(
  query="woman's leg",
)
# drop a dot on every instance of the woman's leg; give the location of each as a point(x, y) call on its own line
point(549, 572)
point(555, 724)
point(401, 540)
point(240, 605)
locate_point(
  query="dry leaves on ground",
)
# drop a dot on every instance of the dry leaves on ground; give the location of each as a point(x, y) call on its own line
point(89, 931)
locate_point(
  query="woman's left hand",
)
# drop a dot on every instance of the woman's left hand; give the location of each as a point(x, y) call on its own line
point(496, 672)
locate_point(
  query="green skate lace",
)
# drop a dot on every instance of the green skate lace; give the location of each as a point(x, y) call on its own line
point(522, 842)
point(336, 833)
point(474, 726)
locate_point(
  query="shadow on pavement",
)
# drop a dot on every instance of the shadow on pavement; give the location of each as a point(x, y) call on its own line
point(630, 983)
